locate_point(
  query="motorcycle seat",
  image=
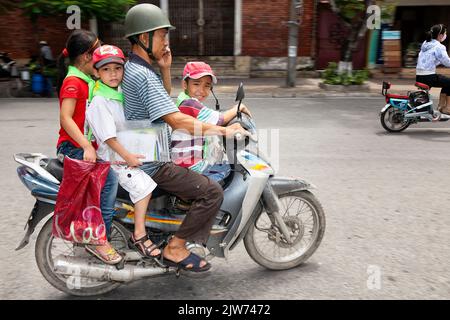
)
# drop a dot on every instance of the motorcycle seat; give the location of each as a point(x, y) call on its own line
point(396, 96)
point(422, 86)
point(123, 194)
point(55, 168)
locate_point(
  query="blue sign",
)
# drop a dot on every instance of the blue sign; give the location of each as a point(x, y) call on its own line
point(391, 35)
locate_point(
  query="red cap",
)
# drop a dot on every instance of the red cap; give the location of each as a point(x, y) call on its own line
point(107, 54)
point(198, 69)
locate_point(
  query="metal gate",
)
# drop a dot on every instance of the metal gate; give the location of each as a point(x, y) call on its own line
point(203, 28)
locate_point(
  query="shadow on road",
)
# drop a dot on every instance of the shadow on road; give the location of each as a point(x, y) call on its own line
point(421, 134)
point(218, 285)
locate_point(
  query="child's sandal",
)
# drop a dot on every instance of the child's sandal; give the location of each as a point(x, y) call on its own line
point(110, 257)
point(144, 250)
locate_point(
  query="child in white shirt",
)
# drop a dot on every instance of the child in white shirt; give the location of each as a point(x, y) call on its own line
point(104, 115)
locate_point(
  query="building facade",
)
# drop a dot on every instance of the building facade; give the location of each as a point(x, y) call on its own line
point(228, 28)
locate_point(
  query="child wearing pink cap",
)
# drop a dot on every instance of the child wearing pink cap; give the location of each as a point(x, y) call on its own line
point(191, 151)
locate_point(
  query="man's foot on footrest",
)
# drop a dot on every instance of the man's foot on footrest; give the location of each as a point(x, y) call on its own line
point(436, 116)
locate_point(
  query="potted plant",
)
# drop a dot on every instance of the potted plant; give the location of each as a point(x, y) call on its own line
point(333, 80)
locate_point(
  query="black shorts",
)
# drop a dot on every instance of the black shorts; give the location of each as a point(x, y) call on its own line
point(436, 80)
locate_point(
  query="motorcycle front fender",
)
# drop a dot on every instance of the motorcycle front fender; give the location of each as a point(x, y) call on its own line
point(281, 186)
point(39, 212)
point(385, 108)
point(284, 185)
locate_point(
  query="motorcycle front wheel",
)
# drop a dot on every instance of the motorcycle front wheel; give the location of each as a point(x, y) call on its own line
point(305, 219)
point(48, 248)
point(393, 120)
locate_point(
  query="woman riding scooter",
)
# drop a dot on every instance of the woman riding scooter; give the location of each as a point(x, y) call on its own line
point(432, 54)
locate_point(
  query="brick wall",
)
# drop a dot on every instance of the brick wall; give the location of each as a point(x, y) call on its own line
point(265, 32)
point(21, 38)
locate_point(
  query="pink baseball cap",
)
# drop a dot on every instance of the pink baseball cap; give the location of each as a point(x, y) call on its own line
point(107, 54)
point(198, 69)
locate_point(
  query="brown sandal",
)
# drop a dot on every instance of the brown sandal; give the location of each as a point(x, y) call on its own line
point(144, 250)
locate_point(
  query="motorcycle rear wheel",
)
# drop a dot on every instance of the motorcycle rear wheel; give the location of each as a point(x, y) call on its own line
point(47, 249)
point(264, 238)
point(393, 120)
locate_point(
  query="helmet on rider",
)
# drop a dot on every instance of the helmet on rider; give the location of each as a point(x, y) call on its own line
point(145, 18)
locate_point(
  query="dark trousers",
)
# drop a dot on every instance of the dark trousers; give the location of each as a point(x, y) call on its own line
point(437, 81)
point(206, 194)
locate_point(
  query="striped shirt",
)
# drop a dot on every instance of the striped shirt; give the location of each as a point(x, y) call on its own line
point(145, 97)
point(187, 150)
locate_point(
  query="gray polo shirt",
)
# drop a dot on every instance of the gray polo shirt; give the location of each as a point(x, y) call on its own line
point(46, 52)
point(145, 97)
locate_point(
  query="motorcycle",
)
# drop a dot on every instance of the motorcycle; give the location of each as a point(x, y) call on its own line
point(8, 66)
point(279, 220)
point(403, 110)
point(15, 78)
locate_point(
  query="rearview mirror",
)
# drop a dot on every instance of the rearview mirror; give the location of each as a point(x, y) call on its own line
point(240, 93)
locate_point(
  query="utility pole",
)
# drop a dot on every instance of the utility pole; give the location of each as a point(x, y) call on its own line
point(293, 24)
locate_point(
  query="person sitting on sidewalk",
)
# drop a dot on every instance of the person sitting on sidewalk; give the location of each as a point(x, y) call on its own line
point(147, 98)
point(193, 151)
point(432, 54)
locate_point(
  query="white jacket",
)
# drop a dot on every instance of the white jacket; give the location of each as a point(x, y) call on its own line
point(431, 55)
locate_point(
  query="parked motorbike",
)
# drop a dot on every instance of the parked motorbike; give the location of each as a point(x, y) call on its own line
point(15, 78)
point(403, 110)
point(279, 220)
point(8, 66)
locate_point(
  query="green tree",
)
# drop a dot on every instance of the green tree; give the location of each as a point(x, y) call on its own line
point(354, 14)
point(107, 10)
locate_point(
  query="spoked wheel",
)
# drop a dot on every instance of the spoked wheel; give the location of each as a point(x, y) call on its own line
point(305, 220)
point(393, 120)
point(48, 248)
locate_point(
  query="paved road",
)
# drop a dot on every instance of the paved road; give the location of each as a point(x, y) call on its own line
point(385, 197)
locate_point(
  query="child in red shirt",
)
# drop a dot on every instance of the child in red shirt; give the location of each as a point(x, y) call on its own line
point(74, 92)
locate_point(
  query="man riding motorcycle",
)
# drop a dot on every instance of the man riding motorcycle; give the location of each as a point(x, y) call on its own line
point(147, 98)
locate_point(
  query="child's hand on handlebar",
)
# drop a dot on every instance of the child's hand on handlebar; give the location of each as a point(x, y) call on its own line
point(235, 129)
point(243, 108)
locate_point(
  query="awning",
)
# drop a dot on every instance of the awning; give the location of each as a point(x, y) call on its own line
point(415, 3)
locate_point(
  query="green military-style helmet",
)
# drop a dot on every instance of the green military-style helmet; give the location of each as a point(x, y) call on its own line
point(145, 17)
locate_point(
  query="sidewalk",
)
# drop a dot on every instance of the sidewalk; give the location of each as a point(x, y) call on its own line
point(305, 87)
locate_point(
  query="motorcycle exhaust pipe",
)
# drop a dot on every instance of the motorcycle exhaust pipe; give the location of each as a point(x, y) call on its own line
point(79, 267)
